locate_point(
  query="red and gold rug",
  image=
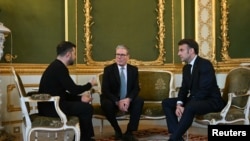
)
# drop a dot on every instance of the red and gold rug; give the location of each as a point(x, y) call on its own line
point(157, 134)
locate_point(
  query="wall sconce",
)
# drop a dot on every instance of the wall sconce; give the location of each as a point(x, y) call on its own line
point(4, 31)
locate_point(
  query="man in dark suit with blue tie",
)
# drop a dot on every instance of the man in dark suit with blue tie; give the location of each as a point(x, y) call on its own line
point(114, 98)
point(199, 93)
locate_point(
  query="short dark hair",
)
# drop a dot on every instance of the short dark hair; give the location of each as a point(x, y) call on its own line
point(64, 47)
point(191, 43)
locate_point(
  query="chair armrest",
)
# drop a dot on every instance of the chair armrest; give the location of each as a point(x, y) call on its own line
point(221, 90)
point(95, 91)
point(173, 93)
point(224, 111)
point(47, 98)
point(231, 96)
point(176, 90)
point(40, 96)
point(240, 95)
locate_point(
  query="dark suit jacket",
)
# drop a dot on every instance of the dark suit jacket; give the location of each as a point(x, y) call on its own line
point(203, 84)
point(111, 82)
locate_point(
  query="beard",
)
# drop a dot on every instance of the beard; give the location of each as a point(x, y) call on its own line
point(71, 62)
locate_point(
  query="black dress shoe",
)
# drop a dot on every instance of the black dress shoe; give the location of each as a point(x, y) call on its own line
point(118, 135)
point(129, 137)
point(90, 139)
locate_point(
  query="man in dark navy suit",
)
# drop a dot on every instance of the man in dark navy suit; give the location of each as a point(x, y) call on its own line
point(112, 99)
point(199, 93)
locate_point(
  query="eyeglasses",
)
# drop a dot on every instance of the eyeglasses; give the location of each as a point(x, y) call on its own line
point(121, 55)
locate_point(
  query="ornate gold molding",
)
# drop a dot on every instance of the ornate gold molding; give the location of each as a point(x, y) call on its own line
point(225, 56)
point(160, 37)
point(82, 69)
point(12, 122)
point(205, 28)
point(224, 30)
point(10, 106)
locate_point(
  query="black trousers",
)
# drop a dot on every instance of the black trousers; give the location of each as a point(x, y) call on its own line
point(84, 112)
point(192, 107)
point(135, 109)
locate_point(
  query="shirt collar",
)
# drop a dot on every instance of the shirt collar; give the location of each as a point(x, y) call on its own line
point(125, 66)
point(192, 62)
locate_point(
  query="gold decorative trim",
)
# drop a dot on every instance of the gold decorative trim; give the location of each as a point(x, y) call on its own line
point(10, 106)
point(173, 26)
point(9, 57)
point(12, 122)
point(205, 28)
point(82, 69)
point(225, 36)
point(224, 30)
point(160, 37)
point(66, 20)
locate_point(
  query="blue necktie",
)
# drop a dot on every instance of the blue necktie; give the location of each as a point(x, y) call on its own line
point(123, 89)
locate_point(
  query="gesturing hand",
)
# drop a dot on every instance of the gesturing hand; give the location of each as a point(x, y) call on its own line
point(93, 82)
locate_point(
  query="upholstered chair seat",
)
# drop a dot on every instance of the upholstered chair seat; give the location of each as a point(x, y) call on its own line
point(51, 122)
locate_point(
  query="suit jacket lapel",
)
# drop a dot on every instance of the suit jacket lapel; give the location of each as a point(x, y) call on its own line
point(194, 71)
point(117, 74)
point(129, 76)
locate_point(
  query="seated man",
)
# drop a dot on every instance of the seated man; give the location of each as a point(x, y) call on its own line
point(56, 81)
point(199, 81)
point(120, 88)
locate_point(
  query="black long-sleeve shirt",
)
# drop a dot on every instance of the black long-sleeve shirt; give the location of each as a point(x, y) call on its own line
point(56, 81)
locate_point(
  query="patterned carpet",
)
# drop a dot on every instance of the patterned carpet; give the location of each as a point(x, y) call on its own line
point(157, 134)
point(148, 134)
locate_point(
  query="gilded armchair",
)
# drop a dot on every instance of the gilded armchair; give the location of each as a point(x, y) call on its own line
point(237, 95)
point(34, 122)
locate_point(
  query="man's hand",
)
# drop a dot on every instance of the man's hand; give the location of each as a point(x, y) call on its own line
point(86, 97)
point(124, 104)
point(179, 110)
point(93, 82)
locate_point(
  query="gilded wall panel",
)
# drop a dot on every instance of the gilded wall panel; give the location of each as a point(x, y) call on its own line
point(231, 45)
point(88, 25)
point(205, 28)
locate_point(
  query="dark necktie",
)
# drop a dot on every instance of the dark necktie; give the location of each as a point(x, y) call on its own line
point(123, 89)
point(189, 74)
point(189, 69)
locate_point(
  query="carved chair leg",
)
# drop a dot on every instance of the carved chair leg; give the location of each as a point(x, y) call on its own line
point(101, 126)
